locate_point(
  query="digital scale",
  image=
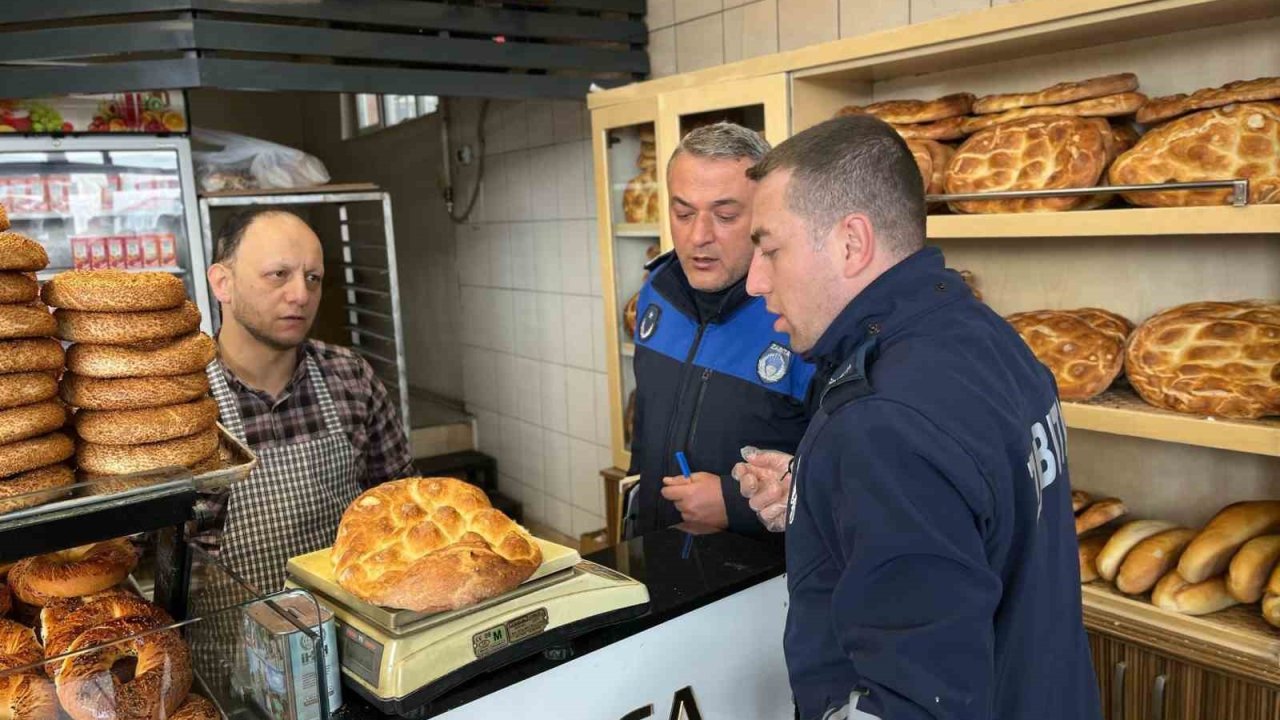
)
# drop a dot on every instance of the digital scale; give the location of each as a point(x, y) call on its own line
point(400, 660)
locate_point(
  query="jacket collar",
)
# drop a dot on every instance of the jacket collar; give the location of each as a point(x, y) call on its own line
point(914, 286)
point(669, 280)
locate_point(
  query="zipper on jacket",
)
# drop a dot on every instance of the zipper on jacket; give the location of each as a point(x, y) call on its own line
point(684, 380)
point(697, 408)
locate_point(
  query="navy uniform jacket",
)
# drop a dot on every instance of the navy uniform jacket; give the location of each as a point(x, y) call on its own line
point(931, 549)
point(708, 389)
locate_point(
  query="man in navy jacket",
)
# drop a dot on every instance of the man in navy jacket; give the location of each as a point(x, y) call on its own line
point(931, 551)
point(712, 374)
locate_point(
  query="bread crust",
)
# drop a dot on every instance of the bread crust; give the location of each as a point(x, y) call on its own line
point(18, 287)
point(1059, 94)
point(108, 328)
point(1251, 567)
point(1101, 107)
point(1125, 540)
point(16, 490)
point(73, 572)
point(26, 321)
point(24, 455)
point(31, 355)
point(1100, 513)
point(89, 690)
point(125, 459)
point(1210, 553)
point(18, 389)
point(428, 545)
point(1168, 107)
point(913, 112)
point(1090, 546)
point(113, 291)
point(1084, 359)
point(1151, 559)
point(132, 393)
point(28, 421)
point(137, 427)
point(941, 131)
point(21, 253)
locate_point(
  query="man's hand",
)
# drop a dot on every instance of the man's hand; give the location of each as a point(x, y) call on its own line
point(698, 498)
point(765, 480)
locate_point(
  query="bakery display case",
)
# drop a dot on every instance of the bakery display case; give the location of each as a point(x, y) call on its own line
point(1131, 237)
point(631, 214)
point(107, 202)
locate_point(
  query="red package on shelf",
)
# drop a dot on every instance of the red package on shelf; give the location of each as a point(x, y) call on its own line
point(57, 192)
point(98, 253)
point(115, 252)
point(168, 250)
point(133, 252)
point(80, 252)
point(150, 250)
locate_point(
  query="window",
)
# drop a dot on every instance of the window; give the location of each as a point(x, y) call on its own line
point(374, 112)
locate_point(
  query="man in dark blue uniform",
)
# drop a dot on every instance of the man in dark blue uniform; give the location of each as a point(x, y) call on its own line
point(931, 551)
point(712, 375)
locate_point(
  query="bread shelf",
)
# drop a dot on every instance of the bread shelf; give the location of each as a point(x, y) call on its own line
point(1236, 639)
point(636, 230)
point(1121, 412)
point(172, 270)
point(1224, 220)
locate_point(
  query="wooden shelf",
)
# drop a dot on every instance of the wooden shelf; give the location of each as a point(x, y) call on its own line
point(638, 230)
point(1236, 639)
point(1121, 412)
point(1118, 222)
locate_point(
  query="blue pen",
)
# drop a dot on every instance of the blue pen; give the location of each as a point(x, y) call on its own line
point(684, 464)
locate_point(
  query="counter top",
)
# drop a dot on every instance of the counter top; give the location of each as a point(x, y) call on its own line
point(683, 571)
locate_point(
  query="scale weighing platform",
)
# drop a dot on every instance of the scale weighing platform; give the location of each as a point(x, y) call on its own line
point(400, 660)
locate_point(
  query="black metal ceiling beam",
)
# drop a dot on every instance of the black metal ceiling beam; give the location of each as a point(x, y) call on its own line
point(87, 41)
point(402, 47)
point(12, 11)
point(440, 16)
point(102, 78)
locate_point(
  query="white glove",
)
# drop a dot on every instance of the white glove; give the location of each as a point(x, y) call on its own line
point(764, 478)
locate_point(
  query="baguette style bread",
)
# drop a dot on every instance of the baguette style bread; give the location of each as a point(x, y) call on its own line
point(1271, 609)
point(1174, 593)
point(1090, 546)
point(1211, 551)
point(1080, 500)
point(1151, 559)
point(1124, 540)
point(1100, 513)
point(1251, 567)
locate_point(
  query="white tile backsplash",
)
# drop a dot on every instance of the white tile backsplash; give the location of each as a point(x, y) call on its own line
point(551, 325)
point(531, 456)
point(498, 241)
point(555, 397)
point(581, 389)
point(472, 243)
point(526, 324)
point(546, 244)
point(521, 250)
point(555, 466)
point(508, 369)
point(604, 432)
point(579, 335)
point(575, 256)
point(529, 391)
point(530, 288)
point(587, 483)
point(541, 123)
point(559, 515)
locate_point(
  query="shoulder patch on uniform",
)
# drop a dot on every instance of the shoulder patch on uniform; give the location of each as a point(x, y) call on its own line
point(649, 321)
point(773, 363)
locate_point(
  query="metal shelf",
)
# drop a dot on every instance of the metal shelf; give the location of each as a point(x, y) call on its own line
point(50, 272)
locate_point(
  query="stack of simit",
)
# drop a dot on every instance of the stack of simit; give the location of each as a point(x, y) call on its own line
point(32, 451)
point(135, 374)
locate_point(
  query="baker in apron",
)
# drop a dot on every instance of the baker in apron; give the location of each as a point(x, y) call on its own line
point(319, 421)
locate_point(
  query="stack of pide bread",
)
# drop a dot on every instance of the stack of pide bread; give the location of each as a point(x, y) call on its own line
point(1207, 358)
point(1232, 560)
point(135, 374)
point(32, 450)
point(640, 197)
point(1081, 134)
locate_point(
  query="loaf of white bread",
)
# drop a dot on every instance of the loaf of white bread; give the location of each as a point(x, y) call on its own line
point(1234, 559)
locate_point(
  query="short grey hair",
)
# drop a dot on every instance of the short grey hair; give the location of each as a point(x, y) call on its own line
point(722, 141)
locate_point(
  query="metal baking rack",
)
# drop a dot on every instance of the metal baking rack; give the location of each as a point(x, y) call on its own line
point(365, 268)
point(1239, 191)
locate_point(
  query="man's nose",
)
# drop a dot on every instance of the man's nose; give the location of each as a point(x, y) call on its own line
point(296, 291)
point(703, 230)
point(757, 277)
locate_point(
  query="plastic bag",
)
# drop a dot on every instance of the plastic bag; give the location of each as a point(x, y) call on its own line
point(246, 163)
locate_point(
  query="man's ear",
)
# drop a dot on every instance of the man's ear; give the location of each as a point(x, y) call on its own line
point(220, 281)
point(857, 242)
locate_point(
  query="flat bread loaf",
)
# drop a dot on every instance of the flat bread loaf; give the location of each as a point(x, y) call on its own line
point(1109, 106)
point(941, 131)
point(428, 545)
point(931, 159)
point(21, 253)
point(1209, 358)
point(1034, 154)
point(1085, 359)
point(910, 112)
point(1237, 141)
point(1171, 106)
point(1062, 93)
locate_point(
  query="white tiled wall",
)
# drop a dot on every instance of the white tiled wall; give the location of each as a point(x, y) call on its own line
point(532, 313)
